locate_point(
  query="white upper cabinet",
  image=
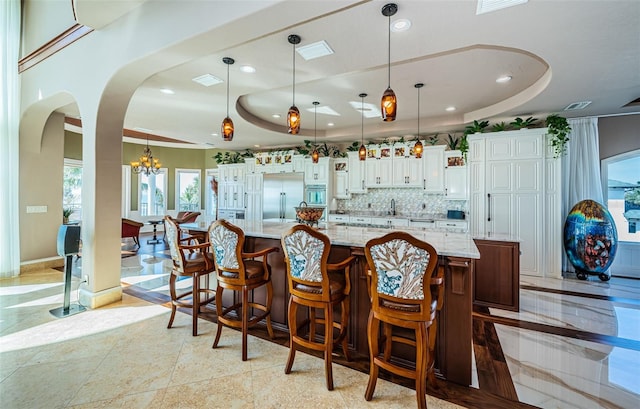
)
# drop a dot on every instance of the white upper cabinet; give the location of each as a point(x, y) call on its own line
point(433, 165)
point(455, 176)
point(316, 173)
point(341, 178)
point(356, 173)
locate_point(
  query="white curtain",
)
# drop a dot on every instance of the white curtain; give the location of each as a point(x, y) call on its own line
point(9, 118)
point(581, 169)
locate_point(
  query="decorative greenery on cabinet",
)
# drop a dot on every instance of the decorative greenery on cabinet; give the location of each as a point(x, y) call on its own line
point(558, 131)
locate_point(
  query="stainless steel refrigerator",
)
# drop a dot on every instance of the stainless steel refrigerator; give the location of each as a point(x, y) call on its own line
point(282, 192)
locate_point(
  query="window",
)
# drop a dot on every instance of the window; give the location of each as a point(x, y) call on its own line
point(621, 175)
point(188, 190)
point(72, 188)
point(152, 194)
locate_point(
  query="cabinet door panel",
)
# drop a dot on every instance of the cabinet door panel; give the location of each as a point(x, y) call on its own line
point(500, 148)
point(497, 275)
point(500, 213)
point(527, 175)
point(499, 177)
point(528, 215)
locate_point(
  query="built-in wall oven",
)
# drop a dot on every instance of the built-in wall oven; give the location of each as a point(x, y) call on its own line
point(316, 195)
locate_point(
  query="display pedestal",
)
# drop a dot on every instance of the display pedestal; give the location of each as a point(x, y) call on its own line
point(66, 308)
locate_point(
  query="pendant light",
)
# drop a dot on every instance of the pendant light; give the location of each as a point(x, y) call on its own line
point(315, 155)
point(227, 123)
point(362, 152)
point(389, 103)
point(418, 148)
point(293, 117)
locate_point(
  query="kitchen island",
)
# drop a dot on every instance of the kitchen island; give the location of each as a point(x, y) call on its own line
point(457, 253)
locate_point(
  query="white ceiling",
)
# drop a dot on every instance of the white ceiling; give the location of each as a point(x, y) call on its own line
point(558, 52)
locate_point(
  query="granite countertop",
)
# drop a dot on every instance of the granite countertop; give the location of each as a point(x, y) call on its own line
point(409, 216)
point(446, 243)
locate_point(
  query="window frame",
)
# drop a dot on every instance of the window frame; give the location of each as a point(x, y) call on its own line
point(177, 173)
point(165, 173)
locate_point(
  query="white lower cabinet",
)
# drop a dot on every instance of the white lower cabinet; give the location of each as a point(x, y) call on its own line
point(453, 225)
point(339, 218)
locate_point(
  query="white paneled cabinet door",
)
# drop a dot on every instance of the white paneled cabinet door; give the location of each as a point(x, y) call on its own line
point(253, 195)
point(407, 172)
point(356, 173)
point(341, 184)
point(433, 165)
point(456, 183)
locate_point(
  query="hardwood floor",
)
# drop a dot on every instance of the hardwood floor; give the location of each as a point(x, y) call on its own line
point(495, 382)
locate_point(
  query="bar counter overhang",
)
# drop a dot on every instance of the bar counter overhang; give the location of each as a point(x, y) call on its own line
point(456, 255)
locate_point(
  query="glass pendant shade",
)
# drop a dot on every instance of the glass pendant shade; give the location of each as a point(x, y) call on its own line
point(315, 155)
point(293, 116)
point(418, 148)
point(362, 152)
point(293, 119)
point(389, 105)
point(227, 124)
point(227, 129)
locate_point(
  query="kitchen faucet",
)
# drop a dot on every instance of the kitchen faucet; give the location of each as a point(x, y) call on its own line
point(393, 207)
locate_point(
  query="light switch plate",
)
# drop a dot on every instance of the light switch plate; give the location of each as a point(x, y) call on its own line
point(36, 209)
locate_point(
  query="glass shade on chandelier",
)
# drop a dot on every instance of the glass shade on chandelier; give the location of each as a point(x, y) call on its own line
point(389, 102)
point(362, 152)
point(227, 127)
point(418, 148)
point(147, 164)
point(315, 155)
point(293, 116)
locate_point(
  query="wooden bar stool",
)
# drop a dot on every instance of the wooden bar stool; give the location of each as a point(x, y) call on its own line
point(312, 285)
point(404, 293)
point(238, 271)
point(189, 260)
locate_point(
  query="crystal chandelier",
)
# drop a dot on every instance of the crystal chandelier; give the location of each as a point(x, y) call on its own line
point(147, 164)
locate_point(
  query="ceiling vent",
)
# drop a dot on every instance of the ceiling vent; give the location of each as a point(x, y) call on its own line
point(207, 80)
point(577, 105)
point(487, 6)
point(314, 50)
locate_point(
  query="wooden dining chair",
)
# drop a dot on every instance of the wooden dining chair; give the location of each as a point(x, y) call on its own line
point(316, 284)
point(241, 272)
point(405, 289)
point(189, 260)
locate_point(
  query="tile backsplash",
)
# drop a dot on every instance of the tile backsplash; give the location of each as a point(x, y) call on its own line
point(409, 202)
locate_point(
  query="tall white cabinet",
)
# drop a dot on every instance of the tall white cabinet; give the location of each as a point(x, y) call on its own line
point(514, 184)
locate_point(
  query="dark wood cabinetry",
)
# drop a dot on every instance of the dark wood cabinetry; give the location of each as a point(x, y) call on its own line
point(497, 275)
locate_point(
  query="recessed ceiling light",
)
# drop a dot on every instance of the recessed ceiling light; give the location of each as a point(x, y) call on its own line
point(450, 109)
point(256, 146)
point(401, 24)
point(214, 134)
point(207, 80)
point(314, 50)
point(276, 115)
point(503, 79)
point(167, 91)
point(248, 69)
point(330, 124)
point(487, 6)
